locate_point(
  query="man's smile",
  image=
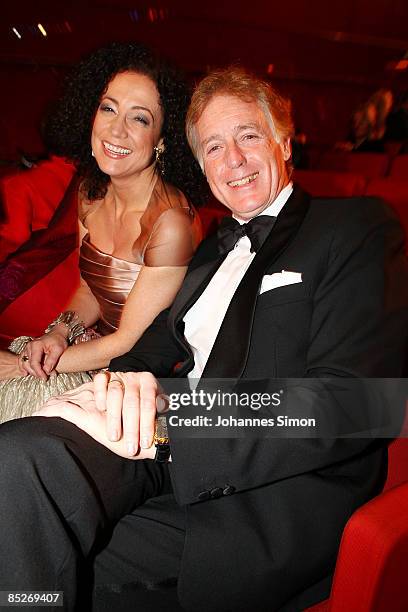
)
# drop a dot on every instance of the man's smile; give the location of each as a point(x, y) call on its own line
point(244, 180)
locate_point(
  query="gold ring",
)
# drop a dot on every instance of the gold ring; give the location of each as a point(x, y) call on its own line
point(24, 358)
point(115, 380)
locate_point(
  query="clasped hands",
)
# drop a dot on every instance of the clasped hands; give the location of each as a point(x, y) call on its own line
point(116, 409)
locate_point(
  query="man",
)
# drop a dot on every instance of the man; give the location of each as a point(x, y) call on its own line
point(308, 290)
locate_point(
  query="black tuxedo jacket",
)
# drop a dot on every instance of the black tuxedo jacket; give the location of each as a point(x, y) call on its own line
point(264, 517)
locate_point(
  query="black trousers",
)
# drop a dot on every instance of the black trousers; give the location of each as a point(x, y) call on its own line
point(75, 514)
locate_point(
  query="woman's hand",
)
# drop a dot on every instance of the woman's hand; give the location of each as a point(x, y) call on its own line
point(10, 365)
point(41, 355)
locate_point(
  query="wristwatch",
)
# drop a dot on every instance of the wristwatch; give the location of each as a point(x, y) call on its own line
point(161, 440)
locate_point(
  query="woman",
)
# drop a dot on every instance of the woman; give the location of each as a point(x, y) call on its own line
point(138, 229)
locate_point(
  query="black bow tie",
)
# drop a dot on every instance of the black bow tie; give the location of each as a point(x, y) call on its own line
point(230, 231)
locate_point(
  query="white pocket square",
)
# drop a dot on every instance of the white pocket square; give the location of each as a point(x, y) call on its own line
point(280, 279)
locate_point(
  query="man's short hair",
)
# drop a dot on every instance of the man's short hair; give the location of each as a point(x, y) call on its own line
point(236, 81)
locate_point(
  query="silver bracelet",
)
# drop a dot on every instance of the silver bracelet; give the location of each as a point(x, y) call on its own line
point(18, 345)
point(72, 321)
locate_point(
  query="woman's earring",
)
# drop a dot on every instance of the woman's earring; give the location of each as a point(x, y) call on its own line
point(159, 159)
point(92, 153)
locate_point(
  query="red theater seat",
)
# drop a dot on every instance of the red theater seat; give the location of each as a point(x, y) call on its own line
point(314, 151)
point(370, 165)
point(399, 168)
point(395, 193)
point(33, 310)
point(211, 215)
point(321, 183)
point(30, 199)
point(371, 565)
point(398, 458)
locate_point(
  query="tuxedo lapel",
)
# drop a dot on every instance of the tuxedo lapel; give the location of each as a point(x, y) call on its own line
point(203, 267)
point(193, 286)
point(196, 280)
point(229, 354)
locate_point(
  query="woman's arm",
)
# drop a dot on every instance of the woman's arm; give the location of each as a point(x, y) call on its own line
point(153, 291)
point(43, 352)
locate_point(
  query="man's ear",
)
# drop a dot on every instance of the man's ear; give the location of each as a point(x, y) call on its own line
point(286, 149)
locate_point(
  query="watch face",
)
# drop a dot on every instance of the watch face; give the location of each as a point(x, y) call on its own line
point(160, 435)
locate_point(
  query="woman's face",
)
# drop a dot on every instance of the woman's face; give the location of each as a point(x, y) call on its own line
point(127, 125)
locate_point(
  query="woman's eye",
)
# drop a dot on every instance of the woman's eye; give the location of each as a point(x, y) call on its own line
point(106, 108)
point(141, 119)
point(250, 136)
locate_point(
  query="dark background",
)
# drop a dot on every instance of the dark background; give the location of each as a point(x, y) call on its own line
point(328, 55)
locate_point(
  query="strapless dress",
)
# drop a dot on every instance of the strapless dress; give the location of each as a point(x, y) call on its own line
point(110, 279)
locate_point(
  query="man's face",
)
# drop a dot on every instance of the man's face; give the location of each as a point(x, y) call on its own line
point(243, 163)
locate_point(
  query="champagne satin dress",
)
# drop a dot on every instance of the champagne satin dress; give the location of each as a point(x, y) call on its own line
point(170, 233)
point(110, 280)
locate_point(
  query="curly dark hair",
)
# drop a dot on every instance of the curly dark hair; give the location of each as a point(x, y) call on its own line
point(68, 129)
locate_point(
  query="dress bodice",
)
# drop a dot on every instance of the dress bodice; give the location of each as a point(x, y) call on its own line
point(170, 232)
point(110, 280)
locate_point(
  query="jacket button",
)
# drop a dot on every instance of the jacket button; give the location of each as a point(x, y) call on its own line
point(228, 490)
point(216, 492)
point(203, 496)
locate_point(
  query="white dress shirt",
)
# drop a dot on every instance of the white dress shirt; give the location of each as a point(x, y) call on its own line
point(204, 319)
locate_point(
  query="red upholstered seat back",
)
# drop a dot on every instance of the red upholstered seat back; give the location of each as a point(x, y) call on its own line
point(398, 459)
point(320, 183)
point(372, 563)
point(399, 168)
point(370, 165)
point(30, 200)
point(395, 193)
point(211, 215)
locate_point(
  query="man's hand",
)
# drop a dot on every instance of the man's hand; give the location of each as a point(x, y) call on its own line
point(130, 402)
point(116, 409)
